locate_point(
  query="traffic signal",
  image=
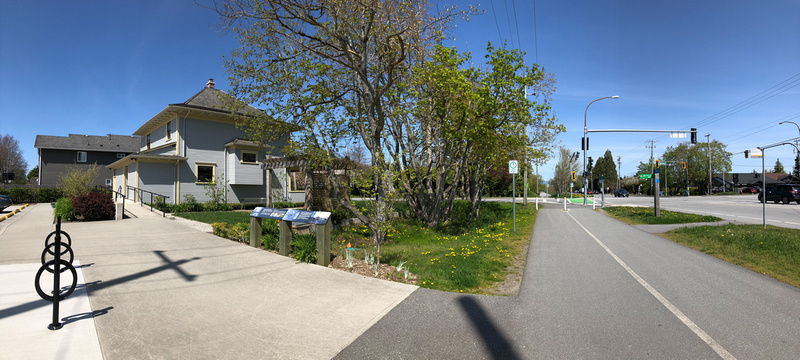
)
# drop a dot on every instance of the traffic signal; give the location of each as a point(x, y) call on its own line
point(683, 165)
point(746, 154)
point(657, 164)
point(694, 136)
point(572, 178)
point(589, 167)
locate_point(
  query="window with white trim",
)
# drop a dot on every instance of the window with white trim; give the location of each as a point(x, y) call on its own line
point(169, 130)
point(81, 156)
point(108, 182)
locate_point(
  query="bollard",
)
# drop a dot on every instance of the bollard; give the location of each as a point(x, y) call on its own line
point(593, 202)
point(537, 203)
point(565, 204)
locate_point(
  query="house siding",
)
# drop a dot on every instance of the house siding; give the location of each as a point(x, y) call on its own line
point(158, 178)
point(205, 143)
point(242, 173)
point(56, 163)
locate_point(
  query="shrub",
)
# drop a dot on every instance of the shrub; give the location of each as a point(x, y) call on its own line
point(269, 241)
point(304, 248)
point(220, 229)
point(64, 209)
point(78, 181)
point(94, 206)
point(49, 194)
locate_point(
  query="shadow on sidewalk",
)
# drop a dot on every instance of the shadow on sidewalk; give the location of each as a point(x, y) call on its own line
point(493, 338)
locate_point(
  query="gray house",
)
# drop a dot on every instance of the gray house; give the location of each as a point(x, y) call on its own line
point(193, 144)
point(58, 154)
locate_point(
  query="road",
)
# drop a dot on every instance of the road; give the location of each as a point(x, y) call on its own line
point(740, 208)
point(596, 288)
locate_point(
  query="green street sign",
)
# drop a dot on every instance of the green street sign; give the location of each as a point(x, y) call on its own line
point(645, 176)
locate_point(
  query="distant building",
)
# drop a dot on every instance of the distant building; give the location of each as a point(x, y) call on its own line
point(58, 154)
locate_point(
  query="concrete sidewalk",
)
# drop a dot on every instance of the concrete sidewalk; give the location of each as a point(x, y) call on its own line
point(160, 289)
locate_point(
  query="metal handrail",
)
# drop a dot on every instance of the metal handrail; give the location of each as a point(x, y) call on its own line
point(139, 196)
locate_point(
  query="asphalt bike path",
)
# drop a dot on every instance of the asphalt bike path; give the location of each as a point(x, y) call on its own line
point(597, 288)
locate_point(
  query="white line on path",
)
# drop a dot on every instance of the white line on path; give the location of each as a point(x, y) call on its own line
point(680, 315)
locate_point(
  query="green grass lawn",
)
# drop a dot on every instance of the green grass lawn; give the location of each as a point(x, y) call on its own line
point(452, 258)
point(646, 216)
point(772, 251)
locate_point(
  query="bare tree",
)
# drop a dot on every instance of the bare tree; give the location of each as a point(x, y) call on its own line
point(11, 160)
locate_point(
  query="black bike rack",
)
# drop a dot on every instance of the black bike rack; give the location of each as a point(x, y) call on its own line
point(59, 266)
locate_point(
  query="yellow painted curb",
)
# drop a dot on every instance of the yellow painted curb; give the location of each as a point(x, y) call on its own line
point(6, 216)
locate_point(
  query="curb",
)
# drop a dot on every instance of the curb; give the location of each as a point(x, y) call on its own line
point(6, 216)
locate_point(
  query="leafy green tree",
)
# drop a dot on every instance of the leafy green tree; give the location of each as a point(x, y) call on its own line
point(463, 122)
point(331, 70)
point(696, 157)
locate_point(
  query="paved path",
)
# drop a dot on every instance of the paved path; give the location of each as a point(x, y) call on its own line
point(159, 289)
point(597, 288)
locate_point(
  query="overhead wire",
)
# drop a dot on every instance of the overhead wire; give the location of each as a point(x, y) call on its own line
point(496, 24)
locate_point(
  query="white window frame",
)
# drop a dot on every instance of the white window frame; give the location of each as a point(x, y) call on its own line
point(169, 130)
point(109, 182)
point(82, 156)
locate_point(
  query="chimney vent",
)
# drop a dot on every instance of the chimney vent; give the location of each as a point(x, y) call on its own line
point(210, 84)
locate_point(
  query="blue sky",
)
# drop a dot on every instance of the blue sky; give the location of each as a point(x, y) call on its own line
point(100, 67)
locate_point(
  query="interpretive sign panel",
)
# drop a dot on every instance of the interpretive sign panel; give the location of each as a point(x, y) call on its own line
point(268, 213)
point(308, 217)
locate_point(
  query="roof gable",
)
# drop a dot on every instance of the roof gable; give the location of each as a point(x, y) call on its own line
point(109, 143)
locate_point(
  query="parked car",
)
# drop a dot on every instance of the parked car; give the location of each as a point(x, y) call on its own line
point(621, 193)
point(5, 201)
point(751, 190)
point(782, 193)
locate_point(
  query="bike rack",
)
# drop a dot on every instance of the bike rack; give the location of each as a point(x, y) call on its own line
point(59, 266)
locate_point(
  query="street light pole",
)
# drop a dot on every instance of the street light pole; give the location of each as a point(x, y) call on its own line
point(585, 142)
point(797, 157)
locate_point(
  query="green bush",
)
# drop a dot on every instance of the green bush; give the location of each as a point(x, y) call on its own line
point(64, 209)
point(238, 232)
point(269, 241)
point(23, 194)
point(94, 206)
point(304, 248)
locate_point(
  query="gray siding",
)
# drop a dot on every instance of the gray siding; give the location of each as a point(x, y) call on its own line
point(168, 150)
point(56, 163)
point(158, 178)
point(244, 174)
point(204, 141)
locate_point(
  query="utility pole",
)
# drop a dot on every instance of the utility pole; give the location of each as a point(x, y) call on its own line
point(708, 142)
point(651, 147)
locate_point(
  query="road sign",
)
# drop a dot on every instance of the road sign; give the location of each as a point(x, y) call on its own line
point(756, 153)
point(513, 167)
point(602, 179)
point(645, 176)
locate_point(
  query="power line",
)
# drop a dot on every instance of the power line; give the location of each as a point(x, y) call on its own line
point(516, 23)
point(496, 24)
point(508, 21)
point(535, 33)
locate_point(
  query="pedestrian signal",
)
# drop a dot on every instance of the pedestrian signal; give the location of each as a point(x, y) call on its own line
point(572, 178)
point(683, 165)
point(657, 164)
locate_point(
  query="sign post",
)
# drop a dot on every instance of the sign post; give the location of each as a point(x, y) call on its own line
point(602, 191)
point(513, 169)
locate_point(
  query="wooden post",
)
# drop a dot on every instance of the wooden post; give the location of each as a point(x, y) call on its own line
point(255, 231)
point(324, 244)
point(285, 234)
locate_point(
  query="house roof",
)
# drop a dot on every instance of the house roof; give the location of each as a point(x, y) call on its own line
point(209, 101)
point(146, 158)
point(109, 143)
